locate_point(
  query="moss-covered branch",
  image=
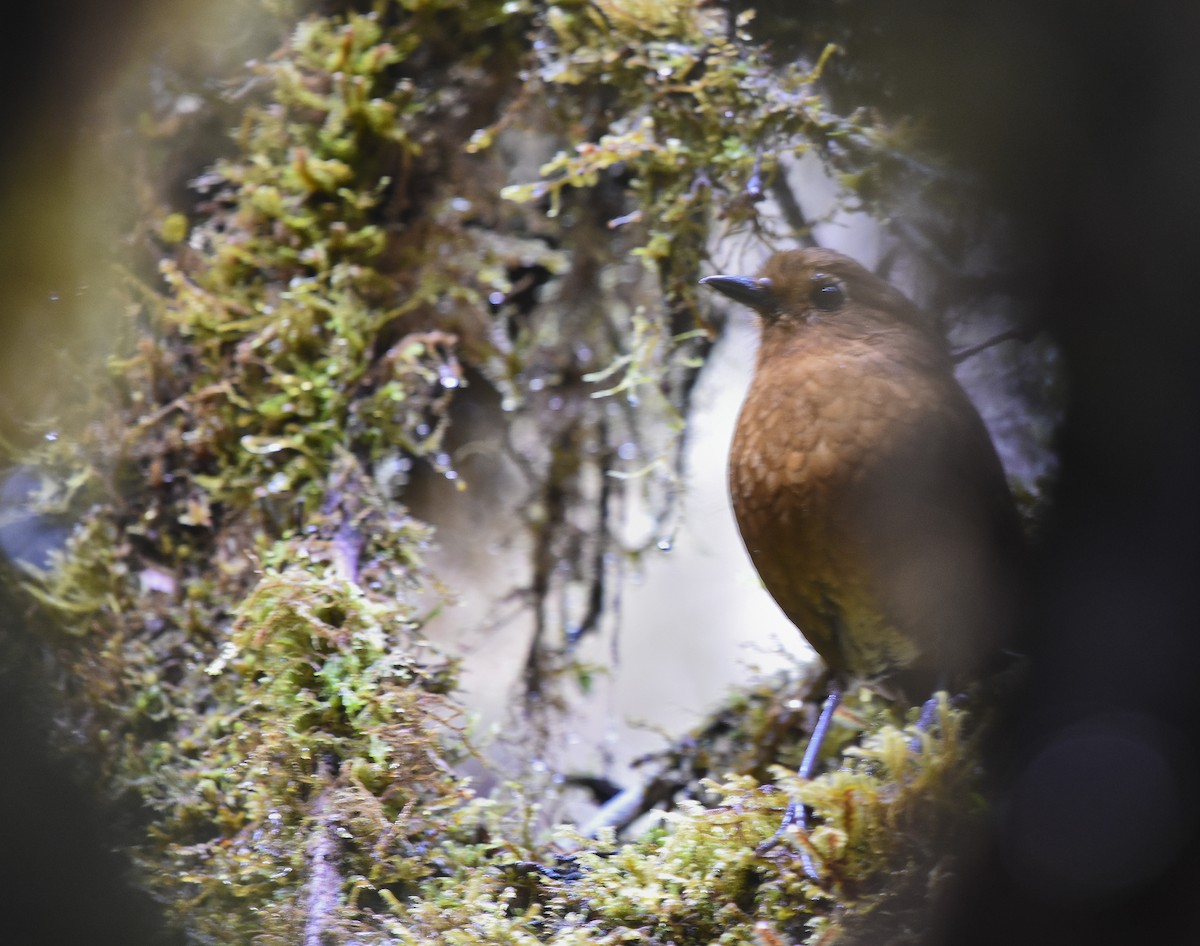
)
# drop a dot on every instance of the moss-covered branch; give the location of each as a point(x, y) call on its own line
point(244, 607)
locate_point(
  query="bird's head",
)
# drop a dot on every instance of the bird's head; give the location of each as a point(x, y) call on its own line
point(818, 286)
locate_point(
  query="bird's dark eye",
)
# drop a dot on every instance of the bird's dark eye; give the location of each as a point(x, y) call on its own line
point(828, 296)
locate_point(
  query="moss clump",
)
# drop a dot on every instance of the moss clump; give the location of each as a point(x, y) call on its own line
point(892, 824)
point(332, 770)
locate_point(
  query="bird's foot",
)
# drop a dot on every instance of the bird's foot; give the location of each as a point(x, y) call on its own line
point(797, 815)
point(931, 710)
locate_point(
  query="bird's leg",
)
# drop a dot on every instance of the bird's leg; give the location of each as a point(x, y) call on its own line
point(799, 814)
point(926, 719)
point(929, 712)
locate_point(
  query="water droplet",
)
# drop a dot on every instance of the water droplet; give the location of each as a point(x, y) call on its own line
point(665, 544)
point(55, 297)
point(442, 459)
point(259, 446)
point(451, 474)
point(188, 104)
point(423, 430)
point(497, 298)
point(51, 435)
point(555, 403)
point(448, 377)
point(628, 450)
point(536, 384)
point(632, 400)
point(461, 205)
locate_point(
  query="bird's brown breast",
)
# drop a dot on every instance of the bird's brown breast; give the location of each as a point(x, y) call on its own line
point(869, 496)
point(863, 480)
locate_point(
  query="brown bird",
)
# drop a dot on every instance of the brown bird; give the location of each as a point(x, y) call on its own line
point(865, 485)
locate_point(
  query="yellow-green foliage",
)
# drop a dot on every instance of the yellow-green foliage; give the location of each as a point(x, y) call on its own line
point(891, 821)
point(330, 697)
point(244, 599)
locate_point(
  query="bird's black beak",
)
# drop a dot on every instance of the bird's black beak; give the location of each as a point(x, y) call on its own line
point(756, 293)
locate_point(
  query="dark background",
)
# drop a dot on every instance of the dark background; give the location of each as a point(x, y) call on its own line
point(1077, 114)
point(1082, 119)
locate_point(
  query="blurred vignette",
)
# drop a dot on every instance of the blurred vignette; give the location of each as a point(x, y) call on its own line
point(65, 878)
point(1096, 839)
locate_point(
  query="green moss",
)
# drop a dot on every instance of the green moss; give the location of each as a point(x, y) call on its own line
point(322, 699)
point(885, 818)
